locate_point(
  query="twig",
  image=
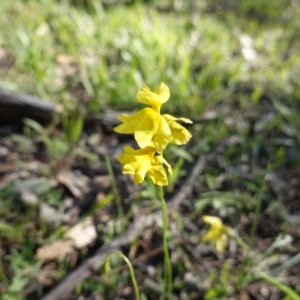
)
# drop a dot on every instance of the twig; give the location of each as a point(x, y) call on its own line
point(15, 106)
point(92, 264)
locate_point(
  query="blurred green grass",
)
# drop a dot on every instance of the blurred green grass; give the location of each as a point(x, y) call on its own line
point(104, 53)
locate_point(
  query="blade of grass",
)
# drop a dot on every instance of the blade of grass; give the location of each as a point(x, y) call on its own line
point(258, 208)
point(287, 290)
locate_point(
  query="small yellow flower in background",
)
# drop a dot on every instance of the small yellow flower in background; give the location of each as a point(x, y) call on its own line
point(148, 125)
point(218, 233)
point(143, 161)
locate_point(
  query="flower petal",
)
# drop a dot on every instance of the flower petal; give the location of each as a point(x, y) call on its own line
point(154, 99)
point(171, 118)
point(158, 175)
point(221, 243)
point(139, 176)
point(146, 128)
point(128, 169)
point(160, 160)
point(131, 122)
point(162, 136)
point(210, 236)
point(131, 154)
point(138, 168)
point(127, 156)
point(163, 92)
point(179, 134)
point(211, 220)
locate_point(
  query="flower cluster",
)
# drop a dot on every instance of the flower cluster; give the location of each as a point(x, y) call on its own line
point(152, 132)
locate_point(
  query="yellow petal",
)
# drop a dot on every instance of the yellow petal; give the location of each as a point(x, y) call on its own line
point(179, 134)
point(146, 128)
point(126, 157)
point(128, 169)
point(162, 135)
point(130, 123)
point(139, 176)
point(221, 243)
point(128, 149)
point(160, 160)
point(138, 167)
point(154, 99)
point(214, 221)
point(210, 236)
point(158, 175)
point(132, 156)
point(123, 118)
point(163, 92)
point(171, 118)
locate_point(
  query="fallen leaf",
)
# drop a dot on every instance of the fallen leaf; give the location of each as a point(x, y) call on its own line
point(77, 184)
point(54, 250)
point(28, 197)
point(82, 234)
point(49, 214)
point(79, 236)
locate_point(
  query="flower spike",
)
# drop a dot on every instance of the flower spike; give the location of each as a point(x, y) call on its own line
point(149, 126)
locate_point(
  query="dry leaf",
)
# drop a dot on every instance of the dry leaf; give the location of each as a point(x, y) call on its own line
point(82, 234)
point(79, 236)
point(54, 250)
point(68, 179)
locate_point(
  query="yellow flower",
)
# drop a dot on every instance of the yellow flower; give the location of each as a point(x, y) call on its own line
point(148, 125)
point(218, 233)
point(154, 99)
point(143, 161)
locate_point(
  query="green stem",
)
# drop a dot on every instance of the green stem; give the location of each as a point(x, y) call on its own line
point(167, 261)
point(287, 290)
point(241, 242)
point(131, 271)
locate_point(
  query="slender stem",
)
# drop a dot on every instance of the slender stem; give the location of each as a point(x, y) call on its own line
point(131, 271)
point(167, 261)
point(241, 242)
